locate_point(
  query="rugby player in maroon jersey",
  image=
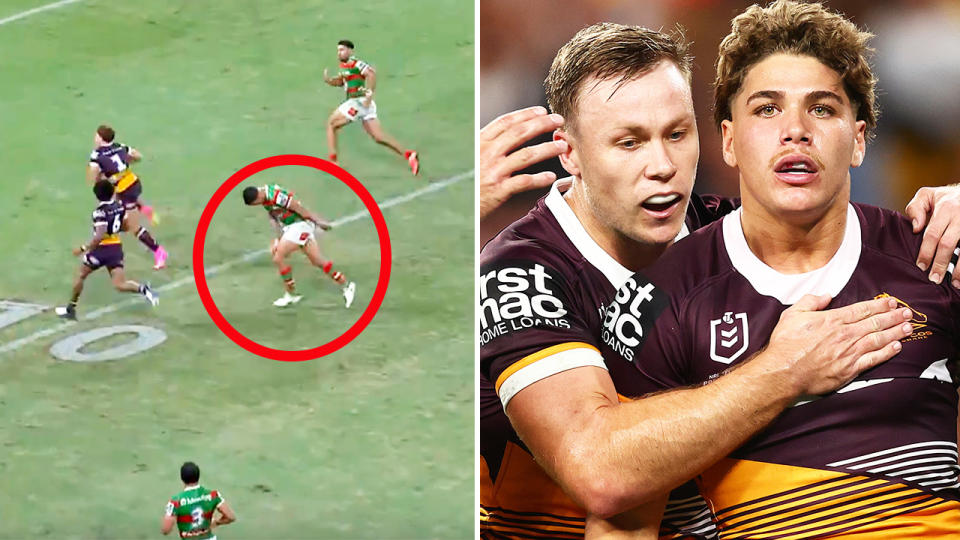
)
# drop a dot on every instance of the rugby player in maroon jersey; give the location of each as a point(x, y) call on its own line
point(110, 160)
point(540, 258)
point(104, 250)
point(795, 103)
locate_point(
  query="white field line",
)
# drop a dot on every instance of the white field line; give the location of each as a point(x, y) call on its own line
point(29, 12)
point(213, 270)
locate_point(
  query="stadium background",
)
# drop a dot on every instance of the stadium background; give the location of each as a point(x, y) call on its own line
point(374, 441)
point(917, 61)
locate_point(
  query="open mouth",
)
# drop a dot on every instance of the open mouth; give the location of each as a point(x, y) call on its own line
point(796, 169)
point(796, 164)
point(661, 203)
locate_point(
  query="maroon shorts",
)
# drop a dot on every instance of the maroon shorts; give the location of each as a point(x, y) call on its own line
point(110, 255)
point(130, 195)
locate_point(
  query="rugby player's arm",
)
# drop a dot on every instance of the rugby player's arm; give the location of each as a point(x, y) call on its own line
point(167, 525)
point(99, 231)
point(226, 515)
point(276, 227)
point(169, 520)
point(610, 456)
point(370, 82)
point(641, 523)
point(332, 81)
point(303, 212)
point(369, 79)
point(134, 154)
point(93, 173)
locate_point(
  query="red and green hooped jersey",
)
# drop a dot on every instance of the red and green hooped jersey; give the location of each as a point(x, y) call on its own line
point(193, 508)
point(277, 204)
point(353, 79)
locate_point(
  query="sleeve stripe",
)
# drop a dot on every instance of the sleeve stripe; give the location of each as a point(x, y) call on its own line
point(543, 364)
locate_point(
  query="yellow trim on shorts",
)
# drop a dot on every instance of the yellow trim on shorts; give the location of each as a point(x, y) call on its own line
point(125, 180)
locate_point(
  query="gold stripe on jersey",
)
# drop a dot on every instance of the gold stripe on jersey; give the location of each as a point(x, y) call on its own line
point(540, 355)
point(124, 180)
point(110, 239)
point(524, 502)
point(754, 500)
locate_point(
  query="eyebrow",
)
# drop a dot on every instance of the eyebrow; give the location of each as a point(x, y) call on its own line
point(816, 95)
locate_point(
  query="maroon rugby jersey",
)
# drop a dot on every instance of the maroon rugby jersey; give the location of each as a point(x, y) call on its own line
point(875, 459)
point(543, 282)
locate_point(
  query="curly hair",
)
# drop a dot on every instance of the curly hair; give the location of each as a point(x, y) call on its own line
point(608, 50)
point(788, 26)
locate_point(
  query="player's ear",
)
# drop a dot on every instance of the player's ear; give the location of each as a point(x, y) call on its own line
point(729, 152)
point(860, 144)
point(569, 158)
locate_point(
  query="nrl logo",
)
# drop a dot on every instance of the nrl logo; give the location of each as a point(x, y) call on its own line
point(729, 337)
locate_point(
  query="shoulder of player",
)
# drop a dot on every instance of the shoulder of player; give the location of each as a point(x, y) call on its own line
point(697, 257)
point(887, 231)
point(688, 269)
point(707, 208)
point(537, 229)
point(526, 246)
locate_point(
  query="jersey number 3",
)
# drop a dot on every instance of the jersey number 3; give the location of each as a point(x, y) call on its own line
point(197, 515)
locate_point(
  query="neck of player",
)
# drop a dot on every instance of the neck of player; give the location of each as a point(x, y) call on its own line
point(794, 242)
point(632, 254)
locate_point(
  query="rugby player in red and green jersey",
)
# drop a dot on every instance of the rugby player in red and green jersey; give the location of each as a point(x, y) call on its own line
point(359, 80)
point(111, 161)
point(105, 249)
point(295, 226)
point(192, 509)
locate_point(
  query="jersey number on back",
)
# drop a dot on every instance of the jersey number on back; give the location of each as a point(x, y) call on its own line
point(115, 224)
point(197, 515)
point(121, 166)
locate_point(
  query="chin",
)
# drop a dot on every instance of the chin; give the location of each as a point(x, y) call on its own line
point(662, 235)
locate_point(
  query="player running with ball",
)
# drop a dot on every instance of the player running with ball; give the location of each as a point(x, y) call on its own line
point(295, 227)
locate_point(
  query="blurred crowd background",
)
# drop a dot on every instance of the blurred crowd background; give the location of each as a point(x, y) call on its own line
point(917, 61)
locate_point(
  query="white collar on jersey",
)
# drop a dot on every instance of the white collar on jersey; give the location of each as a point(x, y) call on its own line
point(788, 288)
point(615, 272)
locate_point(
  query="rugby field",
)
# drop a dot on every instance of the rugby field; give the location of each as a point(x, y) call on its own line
point(373, 441)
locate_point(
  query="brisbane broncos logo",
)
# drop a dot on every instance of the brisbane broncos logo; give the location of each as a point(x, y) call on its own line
point(917, 320)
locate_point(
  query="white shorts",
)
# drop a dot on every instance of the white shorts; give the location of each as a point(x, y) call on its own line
point(299, 233)
point(353, 109)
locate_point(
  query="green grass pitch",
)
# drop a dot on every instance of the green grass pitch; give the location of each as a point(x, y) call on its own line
point(373, 441)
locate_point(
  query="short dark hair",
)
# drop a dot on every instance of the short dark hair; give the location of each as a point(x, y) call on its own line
point(189, 473)
point(346, 43)
point(250, 194)
point(103, 190)
point(106, 133)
